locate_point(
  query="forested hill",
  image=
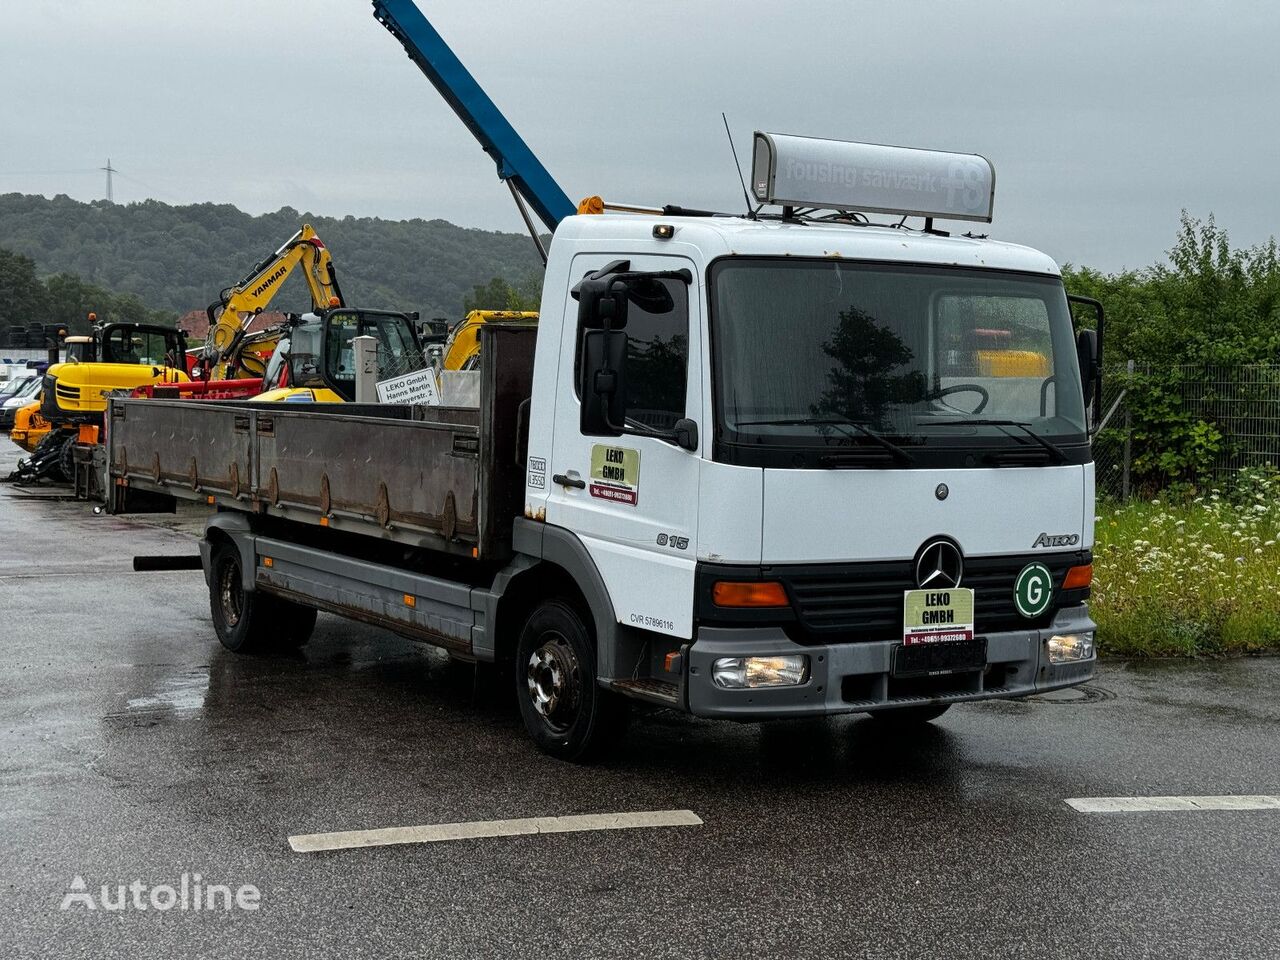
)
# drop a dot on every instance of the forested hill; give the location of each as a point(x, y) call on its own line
point(179, 258)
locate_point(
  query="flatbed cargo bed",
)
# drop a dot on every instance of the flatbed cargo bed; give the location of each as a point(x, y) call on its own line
point(442, 478)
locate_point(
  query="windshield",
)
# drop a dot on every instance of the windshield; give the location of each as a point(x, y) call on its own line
point(16, 387)
point(397, 352)
point(124, 344)
point(811, 355)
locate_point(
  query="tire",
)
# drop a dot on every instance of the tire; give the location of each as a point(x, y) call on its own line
point(568, 715)
point(67, 459)
point(905, 717)
point(245, 620)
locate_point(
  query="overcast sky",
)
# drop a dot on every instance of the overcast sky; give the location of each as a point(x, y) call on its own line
point(1103, 119)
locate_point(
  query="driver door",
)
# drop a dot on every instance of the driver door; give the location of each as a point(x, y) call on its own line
point(632, 499)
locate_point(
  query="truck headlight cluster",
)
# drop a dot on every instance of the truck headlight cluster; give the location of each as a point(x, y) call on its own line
point(743, 672)
point(1070, 647)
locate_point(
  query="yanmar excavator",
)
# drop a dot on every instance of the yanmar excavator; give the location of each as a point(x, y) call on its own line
point(229, 351)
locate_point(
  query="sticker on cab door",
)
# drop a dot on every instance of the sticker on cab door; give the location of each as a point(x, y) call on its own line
point(615, 474)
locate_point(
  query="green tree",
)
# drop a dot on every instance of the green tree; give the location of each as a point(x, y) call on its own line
point(23, 298)
point(498, 294)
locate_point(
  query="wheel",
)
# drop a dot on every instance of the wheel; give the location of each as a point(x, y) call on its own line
point(67, 459)
point(245, 620)
point(567, 713)
point(910, 716)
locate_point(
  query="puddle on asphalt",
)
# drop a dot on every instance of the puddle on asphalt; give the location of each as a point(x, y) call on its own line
point(1086, 693)
point(181, 695)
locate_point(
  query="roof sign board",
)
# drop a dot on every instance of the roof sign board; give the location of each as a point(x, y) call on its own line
point(871, 178)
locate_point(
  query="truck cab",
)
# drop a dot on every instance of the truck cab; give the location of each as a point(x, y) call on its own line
point(850, 431)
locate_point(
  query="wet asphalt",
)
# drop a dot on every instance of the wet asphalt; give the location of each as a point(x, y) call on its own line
point(133, 747)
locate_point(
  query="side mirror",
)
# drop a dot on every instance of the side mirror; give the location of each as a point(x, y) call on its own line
point(685, 434)
point(602, 304)
point(602, 382)
point(1087, 355)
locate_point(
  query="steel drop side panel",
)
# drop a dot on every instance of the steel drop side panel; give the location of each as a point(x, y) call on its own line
point(439, 478)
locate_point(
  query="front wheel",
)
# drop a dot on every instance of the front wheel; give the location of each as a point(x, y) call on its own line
point(566, 712)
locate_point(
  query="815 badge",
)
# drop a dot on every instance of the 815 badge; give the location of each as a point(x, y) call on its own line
point(670, 540)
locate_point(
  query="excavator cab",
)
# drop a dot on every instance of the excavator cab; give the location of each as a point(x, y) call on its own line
point(314, 360)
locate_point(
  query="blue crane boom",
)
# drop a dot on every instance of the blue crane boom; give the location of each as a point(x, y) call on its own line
point(523, 173)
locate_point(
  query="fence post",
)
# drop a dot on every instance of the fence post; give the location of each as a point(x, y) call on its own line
point(1128, 439)
point(365, 350)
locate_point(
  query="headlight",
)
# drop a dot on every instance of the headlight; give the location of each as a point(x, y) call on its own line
point(740, 672)
point(1069, 647)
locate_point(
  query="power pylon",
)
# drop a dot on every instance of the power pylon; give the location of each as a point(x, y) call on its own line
point(109, 171)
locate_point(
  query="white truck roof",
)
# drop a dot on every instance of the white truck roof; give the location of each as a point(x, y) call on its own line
point(730, 236)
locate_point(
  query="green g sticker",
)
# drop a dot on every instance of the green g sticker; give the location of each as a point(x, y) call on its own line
point(1033, 590)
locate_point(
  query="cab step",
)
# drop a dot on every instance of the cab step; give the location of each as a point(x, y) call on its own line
point(654, 691)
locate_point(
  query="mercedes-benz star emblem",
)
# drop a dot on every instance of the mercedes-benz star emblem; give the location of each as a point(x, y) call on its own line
point(940, 566)
point(941, 491)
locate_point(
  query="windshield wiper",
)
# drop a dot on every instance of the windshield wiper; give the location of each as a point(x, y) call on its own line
point(899, 454)
point(1059, 455)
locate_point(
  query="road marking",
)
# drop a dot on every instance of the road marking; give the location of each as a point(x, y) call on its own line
point(1171, 804)
point(315, 842)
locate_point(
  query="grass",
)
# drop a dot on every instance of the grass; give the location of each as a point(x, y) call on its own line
point(1196, 577)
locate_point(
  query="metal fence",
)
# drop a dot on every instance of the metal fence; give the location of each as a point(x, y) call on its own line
point(1240, 403)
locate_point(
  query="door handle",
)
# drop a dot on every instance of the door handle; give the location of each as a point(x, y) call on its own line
point(566, 481)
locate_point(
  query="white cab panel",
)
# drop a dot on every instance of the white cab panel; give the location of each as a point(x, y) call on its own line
point(817, 516)
point(730, 512)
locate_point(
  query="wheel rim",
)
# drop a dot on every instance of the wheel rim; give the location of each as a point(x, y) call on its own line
point(231, 594)
point(554, 680)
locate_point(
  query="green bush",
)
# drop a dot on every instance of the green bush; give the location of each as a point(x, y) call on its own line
point(1199, 577)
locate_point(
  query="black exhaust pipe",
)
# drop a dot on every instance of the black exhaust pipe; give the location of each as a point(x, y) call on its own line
point(148, 564)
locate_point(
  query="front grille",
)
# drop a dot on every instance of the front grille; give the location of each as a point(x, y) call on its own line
point(68, 393)
point(863, 601)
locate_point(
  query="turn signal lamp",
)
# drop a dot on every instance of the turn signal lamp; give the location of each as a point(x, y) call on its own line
point(335, 302)
point(1078, 577)
point(736, 673)
point(729, 593)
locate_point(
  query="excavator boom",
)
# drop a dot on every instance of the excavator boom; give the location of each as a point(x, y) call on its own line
point(229, 317)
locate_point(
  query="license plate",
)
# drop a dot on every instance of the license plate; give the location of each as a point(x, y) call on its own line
point(937, 616)
point(936, 659)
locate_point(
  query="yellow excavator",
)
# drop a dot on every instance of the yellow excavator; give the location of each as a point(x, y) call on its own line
point(74, 393)
point(462, 348)
point(229, 352)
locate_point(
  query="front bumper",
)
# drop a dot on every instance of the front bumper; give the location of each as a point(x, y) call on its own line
point(857, 677)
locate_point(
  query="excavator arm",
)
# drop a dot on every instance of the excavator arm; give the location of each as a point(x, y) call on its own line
point(229, 317)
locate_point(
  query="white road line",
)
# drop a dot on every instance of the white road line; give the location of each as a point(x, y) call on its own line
point(1171, 804)
point(315, 842)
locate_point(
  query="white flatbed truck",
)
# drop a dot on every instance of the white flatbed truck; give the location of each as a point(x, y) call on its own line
point(744, 467)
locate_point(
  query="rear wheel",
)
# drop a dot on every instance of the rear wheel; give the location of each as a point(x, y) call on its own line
point(910, 716)
point(245, 620)
point(566, 712)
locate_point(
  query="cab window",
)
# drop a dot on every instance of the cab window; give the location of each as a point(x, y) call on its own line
point(657, 358)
